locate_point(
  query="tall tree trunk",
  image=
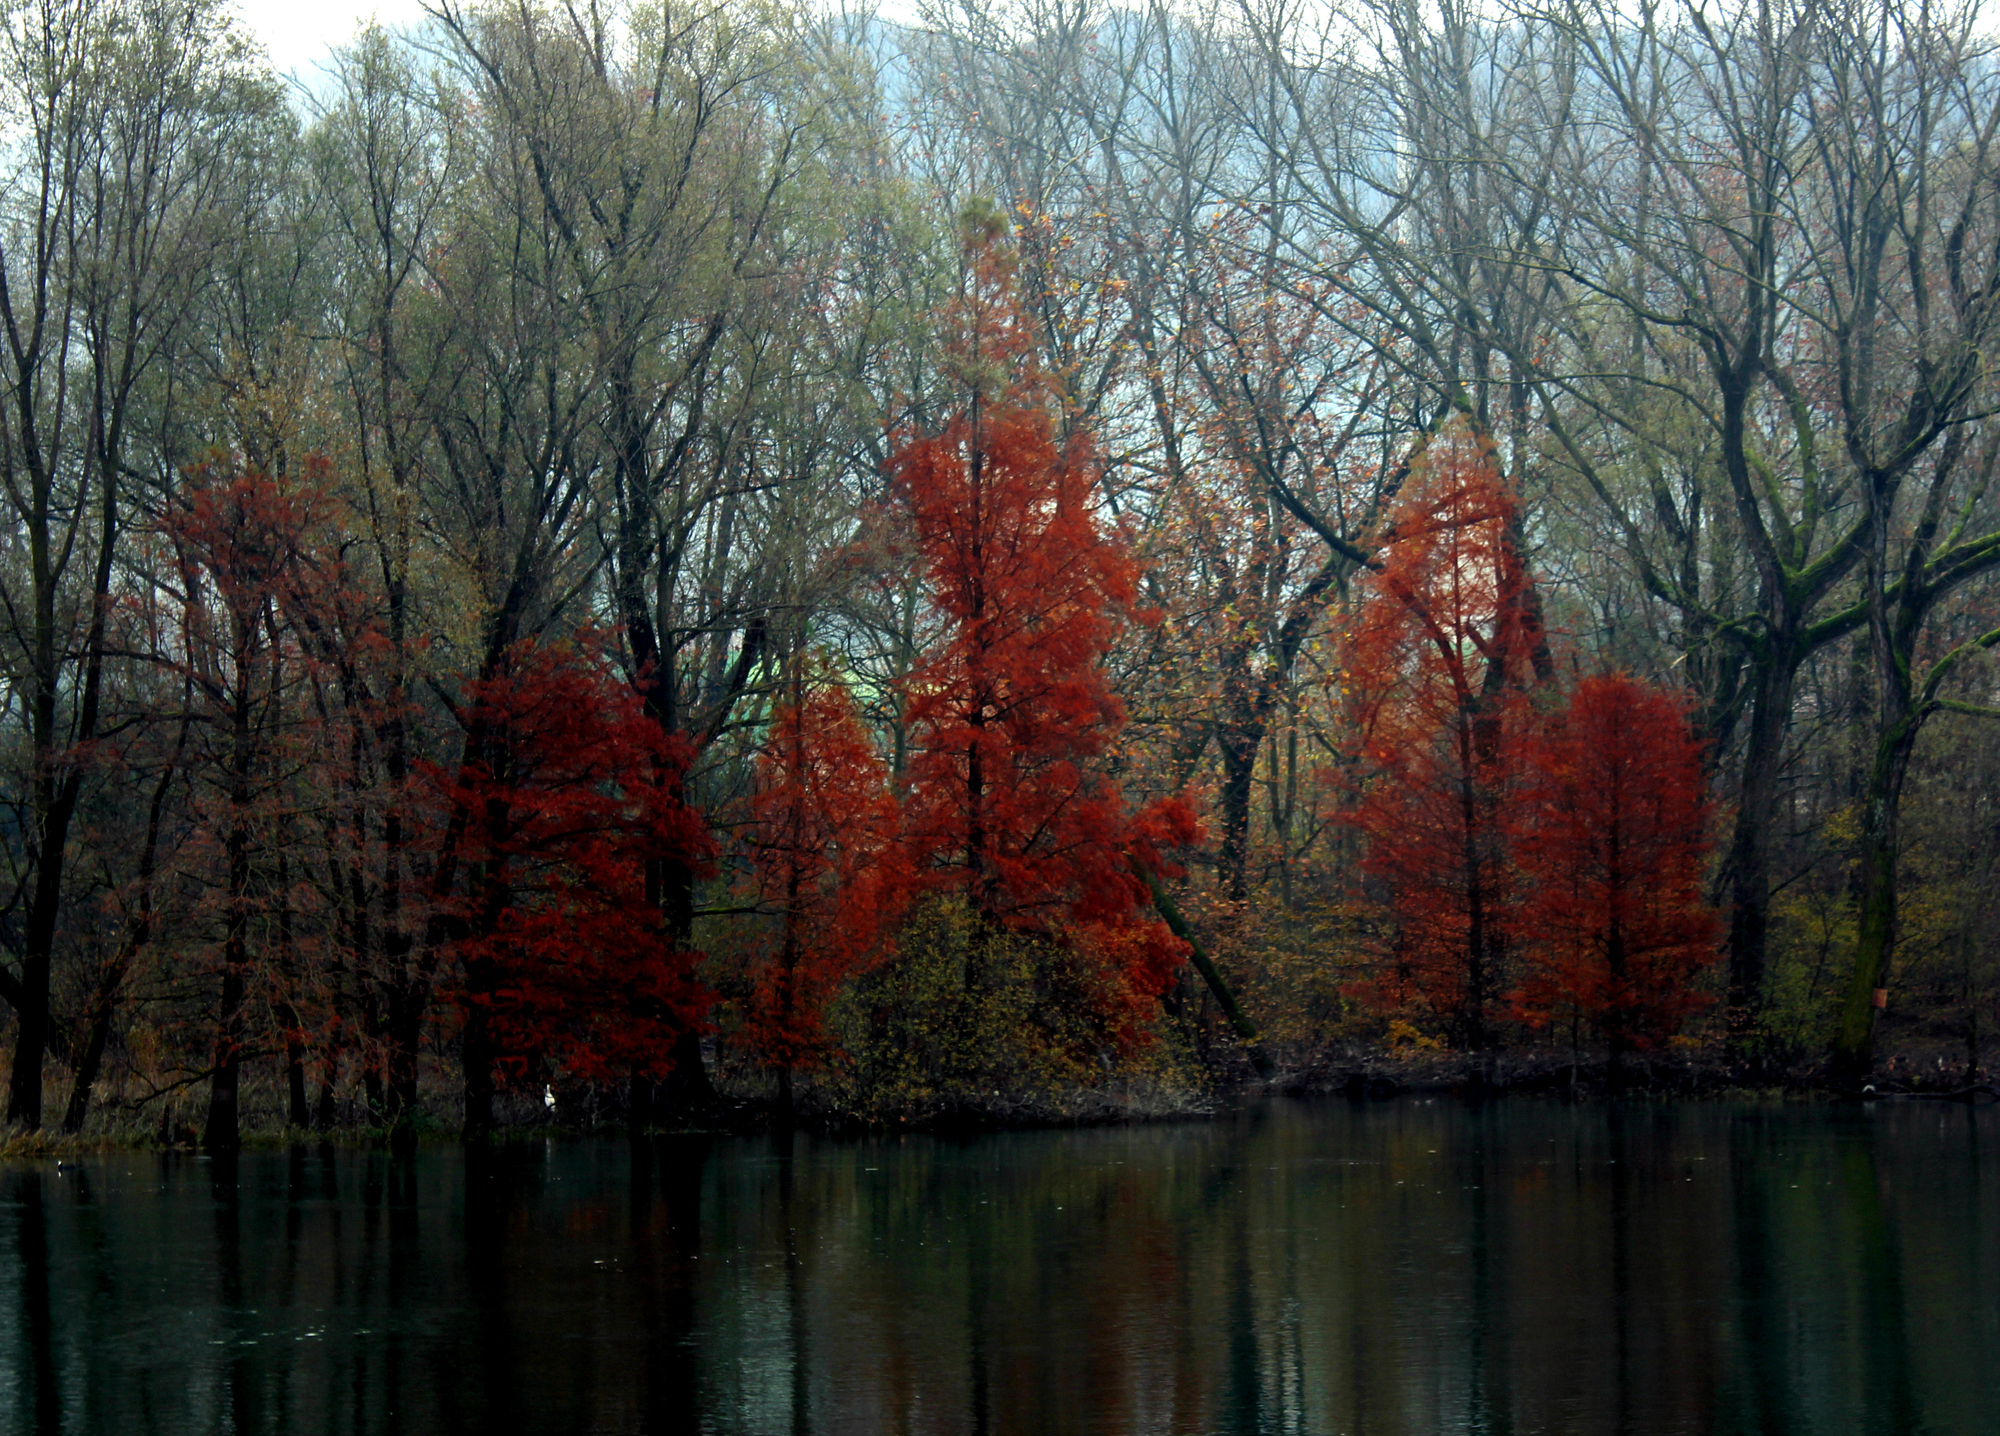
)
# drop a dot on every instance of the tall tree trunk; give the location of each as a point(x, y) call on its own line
point(139, 932)
point(58, 783)
point(1875, 939)
point(1480, 918)
point(405, 1030)
point(477, 1050)
point(409, 985)
point(24, 1090)
point(297, 1113)
point(670, 883)
point(476, 1057)
point(1238, 744)
point(222, 1133)
point(1749, 861)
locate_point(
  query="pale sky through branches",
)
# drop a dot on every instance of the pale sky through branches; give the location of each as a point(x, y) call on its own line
point(299, 33)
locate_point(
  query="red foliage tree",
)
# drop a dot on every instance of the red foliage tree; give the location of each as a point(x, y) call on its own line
point(1443, 649)
point(1009, 715)
point(567, 792)
point(248, 575)
point(1612, 848)
point(823, 843)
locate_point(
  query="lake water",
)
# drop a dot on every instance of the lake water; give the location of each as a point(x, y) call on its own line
point(1400, 1267)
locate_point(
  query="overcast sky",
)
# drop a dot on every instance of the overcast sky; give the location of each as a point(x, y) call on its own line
point(298, 33)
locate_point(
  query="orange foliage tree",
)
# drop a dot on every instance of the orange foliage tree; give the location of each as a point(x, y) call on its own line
point(823, 844)
point(1009, 713)
point(1612, 848)
point(1445, 645)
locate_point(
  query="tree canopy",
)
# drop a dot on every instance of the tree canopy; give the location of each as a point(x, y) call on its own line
point(614, 551)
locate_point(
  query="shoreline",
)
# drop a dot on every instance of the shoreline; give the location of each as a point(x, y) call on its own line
point(1361, 1078)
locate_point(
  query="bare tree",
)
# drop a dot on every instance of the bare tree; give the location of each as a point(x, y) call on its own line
point(136, 123)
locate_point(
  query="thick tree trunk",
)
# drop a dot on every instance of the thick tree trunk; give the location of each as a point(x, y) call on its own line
point(297, 1113)
point(373, 1090)
point(56, 790)
point(1481, 740)
point(405, 1028)
point(1749, 861)
point(405, 982)
point(58, 784)
point(477, 1050)
point(1875, 939)
point(476, 1055)
point(794, 891)
point(324, 1110)
point(686, 1091)
point(1238, 744)
point(670, 883)
point(24, 1091)
point(222, 1131)
point(104, 1000)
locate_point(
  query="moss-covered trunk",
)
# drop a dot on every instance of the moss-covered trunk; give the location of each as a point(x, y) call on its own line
point(1875, 937)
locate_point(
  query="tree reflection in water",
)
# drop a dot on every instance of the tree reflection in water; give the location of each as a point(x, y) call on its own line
point(1379, 1269)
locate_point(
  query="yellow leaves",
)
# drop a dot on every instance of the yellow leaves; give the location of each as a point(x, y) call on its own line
point(1842, 828)
point(1403, 1036)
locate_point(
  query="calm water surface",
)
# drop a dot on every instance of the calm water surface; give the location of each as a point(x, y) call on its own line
point(1405, 1267)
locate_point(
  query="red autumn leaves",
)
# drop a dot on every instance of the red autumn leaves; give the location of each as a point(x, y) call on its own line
point(1538, 857)
point(824, 843)
point(1009, 717)
point(518, 870)
point(530, 854)
point(567, 792)
point(1611, 852)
